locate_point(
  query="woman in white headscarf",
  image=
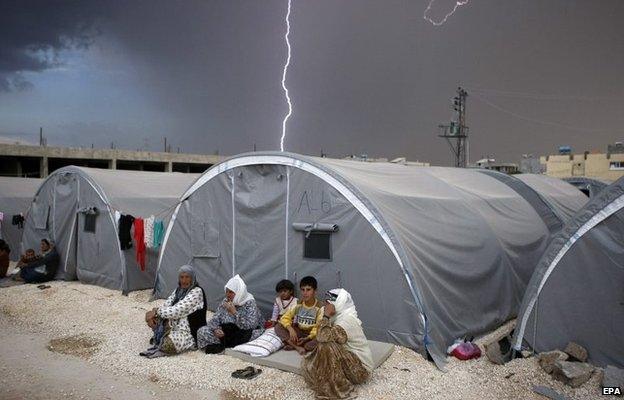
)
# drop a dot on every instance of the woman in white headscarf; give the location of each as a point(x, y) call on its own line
point(342, 357)
point(176, 322)
point(236, 321)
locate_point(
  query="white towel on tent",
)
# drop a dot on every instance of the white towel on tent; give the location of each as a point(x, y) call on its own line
point(265, 345)
point(148, 231)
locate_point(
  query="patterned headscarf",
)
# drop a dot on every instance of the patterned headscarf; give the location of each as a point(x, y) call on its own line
point(180, 292)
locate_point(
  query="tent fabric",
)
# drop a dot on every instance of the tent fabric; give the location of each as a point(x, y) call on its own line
point(16, 194)
point(551, 219)
point(94, 255)
point(429, 254)
point(564, 199)
point(576, 293)
point(589, 186)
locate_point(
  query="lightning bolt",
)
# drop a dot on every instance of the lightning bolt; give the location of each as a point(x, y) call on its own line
point(284, 78)
point(458, 4)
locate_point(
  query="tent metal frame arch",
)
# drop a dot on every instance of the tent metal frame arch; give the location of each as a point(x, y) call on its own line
point(606, 211)
point(351, 193)
point(102, 195)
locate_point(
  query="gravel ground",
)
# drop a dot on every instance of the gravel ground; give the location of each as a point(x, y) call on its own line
point(113, 329)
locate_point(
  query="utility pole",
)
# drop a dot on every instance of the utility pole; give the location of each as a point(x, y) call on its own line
point(456, 133)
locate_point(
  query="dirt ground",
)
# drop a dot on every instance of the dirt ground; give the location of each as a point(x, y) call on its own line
point(29, 370)
point(78, 341)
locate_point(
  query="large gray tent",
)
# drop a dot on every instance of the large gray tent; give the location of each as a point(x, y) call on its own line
point(429, 254)
point(590, 186)
point(563, 198)
point(16, 194)
point(555, 200)
point(59, 210)
point(577, 290)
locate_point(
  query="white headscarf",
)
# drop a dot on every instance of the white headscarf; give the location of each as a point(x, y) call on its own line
point(237, 285)
point(346, 317)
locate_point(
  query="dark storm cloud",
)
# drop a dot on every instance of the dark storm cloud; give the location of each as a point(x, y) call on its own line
point(32, 33)
point(366, 76)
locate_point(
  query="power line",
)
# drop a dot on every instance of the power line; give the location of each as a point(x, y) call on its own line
point(538, 121)
point(542, 96)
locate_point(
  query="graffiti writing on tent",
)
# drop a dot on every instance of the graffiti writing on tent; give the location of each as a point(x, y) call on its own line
point(309, 203)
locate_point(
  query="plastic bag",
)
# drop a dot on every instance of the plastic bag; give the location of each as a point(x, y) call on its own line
point(466, 351)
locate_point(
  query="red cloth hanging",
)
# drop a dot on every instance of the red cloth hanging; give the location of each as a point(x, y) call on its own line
point(139, 242)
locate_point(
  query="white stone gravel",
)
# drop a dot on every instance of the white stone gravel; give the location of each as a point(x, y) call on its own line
point(71, 308)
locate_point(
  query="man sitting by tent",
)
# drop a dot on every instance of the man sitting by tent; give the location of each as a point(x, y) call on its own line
point(44, 268)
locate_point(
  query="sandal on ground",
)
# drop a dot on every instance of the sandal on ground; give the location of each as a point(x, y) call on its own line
point(239, 372)
point(246, 373)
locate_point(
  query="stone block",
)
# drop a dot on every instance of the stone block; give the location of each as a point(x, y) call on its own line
point(572, 373)
point(547, 359)
point(493, 353)
point(576, 351)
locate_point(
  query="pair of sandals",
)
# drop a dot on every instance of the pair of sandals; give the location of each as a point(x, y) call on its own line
point(246, 373)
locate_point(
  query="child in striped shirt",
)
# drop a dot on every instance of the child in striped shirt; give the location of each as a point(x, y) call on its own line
point(284, 301)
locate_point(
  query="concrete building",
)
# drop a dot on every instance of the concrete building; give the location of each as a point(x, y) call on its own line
point(39, 161)
point(398, 160)
point(529, 164)
point(491, 164)
point(405, 161)
point(608, 166)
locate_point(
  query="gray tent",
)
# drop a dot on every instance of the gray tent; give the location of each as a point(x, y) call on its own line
point(555, 200)
point(16, 194)
point(563, 198)
point(577, 290)
point(429, 254)
point(589, 186)
point(93, 255)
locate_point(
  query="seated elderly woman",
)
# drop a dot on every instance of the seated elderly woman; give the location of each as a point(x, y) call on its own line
point(176, 322)
point(342, 357)
point(236, 321)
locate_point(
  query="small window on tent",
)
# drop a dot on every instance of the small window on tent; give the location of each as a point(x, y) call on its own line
point(317, 246)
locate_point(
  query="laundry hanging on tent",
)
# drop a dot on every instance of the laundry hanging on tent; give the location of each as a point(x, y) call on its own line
point(125, 224)
point(18, 219)
point(149, 231)
point(139, 238)
point(159, 233)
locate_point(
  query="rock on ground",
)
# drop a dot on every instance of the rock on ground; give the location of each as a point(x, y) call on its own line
point(547, 359)
point(576, 351)
point(572, 373)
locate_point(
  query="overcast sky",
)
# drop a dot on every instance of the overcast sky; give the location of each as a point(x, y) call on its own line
point(366, 76)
